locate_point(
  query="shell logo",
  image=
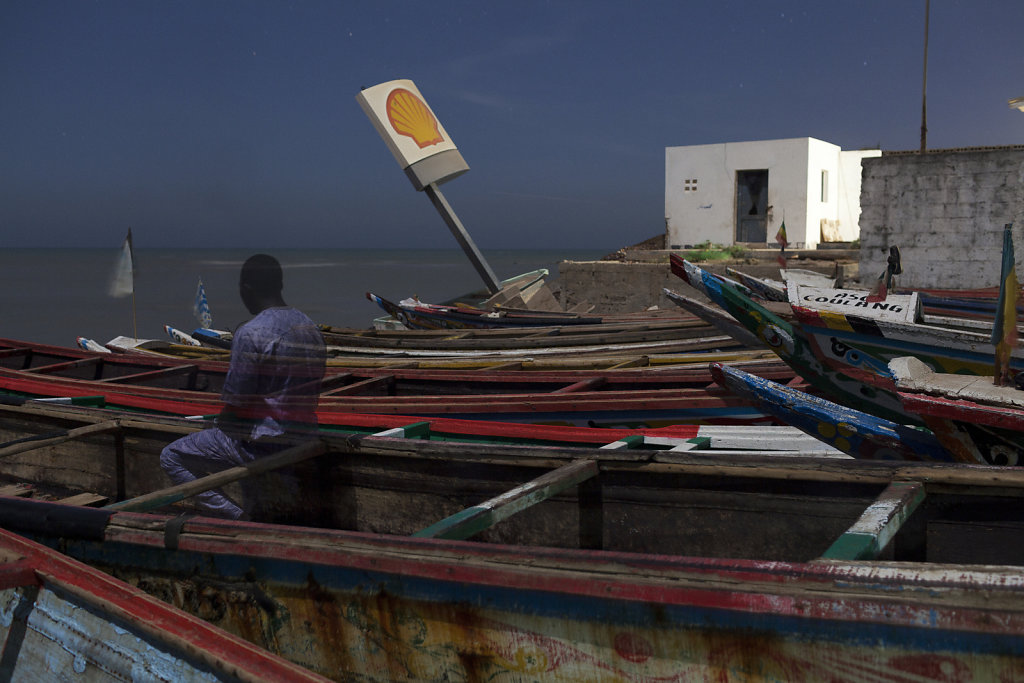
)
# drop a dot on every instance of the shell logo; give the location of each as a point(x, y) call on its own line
point(409, 116)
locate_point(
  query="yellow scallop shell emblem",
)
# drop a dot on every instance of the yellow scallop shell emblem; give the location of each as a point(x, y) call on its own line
point(410, 116)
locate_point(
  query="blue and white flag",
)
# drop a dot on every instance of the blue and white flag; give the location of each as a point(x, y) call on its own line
point(123, 283)
point(201, 308)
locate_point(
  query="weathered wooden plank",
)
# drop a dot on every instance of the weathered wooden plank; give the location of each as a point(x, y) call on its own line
point(472, 520)
point(174, 494)
point(19, 490)
point(22, 446)
point(84, 499)
point(879, 523)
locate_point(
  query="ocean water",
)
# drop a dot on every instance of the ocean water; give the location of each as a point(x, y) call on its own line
point(55, 295)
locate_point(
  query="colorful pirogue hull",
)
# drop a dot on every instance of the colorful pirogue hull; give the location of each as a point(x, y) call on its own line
point(864, 346)
point(63, 620)
point(853, 432)
point(795, 348)
point(975, 420)
point(382, 608)
point(588, 399)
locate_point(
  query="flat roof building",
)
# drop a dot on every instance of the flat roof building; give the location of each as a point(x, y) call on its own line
point(740, 193)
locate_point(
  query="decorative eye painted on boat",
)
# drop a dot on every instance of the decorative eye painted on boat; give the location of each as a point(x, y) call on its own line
point(1004, 456)
point(411, 117)
point(776, 338)
point(838, 348)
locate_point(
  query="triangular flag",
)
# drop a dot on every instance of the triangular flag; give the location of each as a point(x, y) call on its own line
point(1004, 331)
point(201, 308)
point(123, 283)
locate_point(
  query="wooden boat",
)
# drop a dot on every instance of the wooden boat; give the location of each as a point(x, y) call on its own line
point(607, 400)
point(714, 316)
point(974, 419)
point(797, 350)
point(599, 566)
point(863, 346)
point(63, 620)
point(108, 456)
point(418, 315)
point(855, 433)
point(526, 362)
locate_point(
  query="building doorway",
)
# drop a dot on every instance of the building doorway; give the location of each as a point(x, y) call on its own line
point(752, 206)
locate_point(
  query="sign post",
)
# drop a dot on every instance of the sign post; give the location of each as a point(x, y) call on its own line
point(425, 152)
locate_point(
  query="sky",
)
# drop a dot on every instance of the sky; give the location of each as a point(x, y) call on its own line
point(233, 123)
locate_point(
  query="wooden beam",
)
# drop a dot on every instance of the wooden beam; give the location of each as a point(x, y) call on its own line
point(416, 430)
point(631, 441)
point(174, 494)
point(473, 520)
point(43, 440)
point(361, 387)
point(66, 365)
point(879, 523)
point(511, 365)
point(84, 499)
point(583, 385)
point(153, 374)
point(639, 361)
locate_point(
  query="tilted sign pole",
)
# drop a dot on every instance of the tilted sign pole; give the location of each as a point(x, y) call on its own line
point(462, 237)
point(426, 154)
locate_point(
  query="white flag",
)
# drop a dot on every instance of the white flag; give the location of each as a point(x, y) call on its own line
point(123, 283)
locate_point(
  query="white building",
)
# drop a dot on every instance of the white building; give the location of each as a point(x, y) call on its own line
point(740, 192)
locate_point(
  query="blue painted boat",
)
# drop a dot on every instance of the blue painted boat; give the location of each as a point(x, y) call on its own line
point(855, 433)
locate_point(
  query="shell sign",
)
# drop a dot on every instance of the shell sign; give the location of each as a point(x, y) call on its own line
point(402, 117)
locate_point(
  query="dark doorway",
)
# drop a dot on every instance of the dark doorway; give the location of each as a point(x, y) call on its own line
point(752, 206)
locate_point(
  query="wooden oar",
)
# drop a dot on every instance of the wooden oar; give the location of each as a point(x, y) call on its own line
point(179, 492)
point(54, 438)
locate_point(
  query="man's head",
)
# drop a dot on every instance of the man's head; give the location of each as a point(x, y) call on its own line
point(260, 283)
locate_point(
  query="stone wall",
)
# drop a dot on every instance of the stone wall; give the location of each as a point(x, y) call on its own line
point(945, 210)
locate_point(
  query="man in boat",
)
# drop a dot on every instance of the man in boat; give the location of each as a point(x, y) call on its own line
point(270, 392)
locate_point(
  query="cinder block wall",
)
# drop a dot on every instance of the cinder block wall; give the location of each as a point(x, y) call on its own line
point(945, 211)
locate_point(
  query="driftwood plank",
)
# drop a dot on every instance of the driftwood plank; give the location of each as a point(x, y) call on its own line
point(879, 523)
point(475, 519)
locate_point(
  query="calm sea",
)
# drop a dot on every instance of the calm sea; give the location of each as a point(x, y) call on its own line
point(55, 295)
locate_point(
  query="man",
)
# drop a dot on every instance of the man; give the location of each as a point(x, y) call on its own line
point(270, 393)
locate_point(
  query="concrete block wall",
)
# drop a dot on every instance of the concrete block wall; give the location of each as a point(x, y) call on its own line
point(946, 212)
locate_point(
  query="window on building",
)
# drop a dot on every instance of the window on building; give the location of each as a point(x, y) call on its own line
point(824, 185)
point(690, 185)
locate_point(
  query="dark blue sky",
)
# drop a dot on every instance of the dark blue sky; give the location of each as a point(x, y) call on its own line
point(234, 123)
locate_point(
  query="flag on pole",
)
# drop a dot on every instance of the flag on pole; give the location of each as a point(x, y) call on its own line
point(1004, 331)
point(201, 308)
point(780, 237)
point(123, 283)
